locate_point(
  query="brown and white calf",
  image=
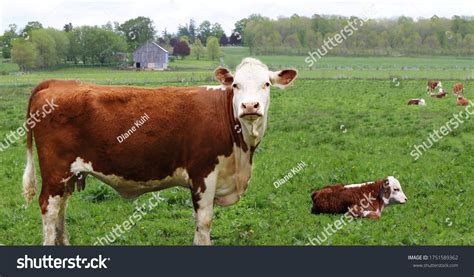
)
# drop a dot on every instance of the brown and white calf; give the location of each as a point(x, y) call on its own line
point(361, 200)
point(458, 88)
point(198, 137)
point(419, 102)
point(433, 85)
point(462, 101)
point(442, 93)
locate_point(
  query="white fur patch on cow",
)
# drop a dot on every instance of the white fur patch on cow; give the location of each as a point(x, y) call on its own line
point(29, 178)
point(233, 175)
point(221, 87)
point(224, 186)
point(79, 166)
point(53, 221)
point(357, 185)
point(131, 188)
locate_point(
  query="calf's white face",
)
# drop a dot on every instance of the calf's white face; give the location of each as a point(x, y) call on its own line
point(396, 196)
point(251, 85)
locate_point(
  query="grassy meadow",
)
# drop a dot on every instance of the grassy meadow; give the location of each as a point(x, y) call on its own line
point(345, 130)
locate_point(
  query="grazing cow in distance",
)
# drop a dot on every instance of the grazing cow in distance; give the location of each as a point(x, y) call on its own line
point(419, 102)
point(361, 200)
point(462, 101)
point(458, 88)
point(442, 93)
point(202, 138)
point(433, 85)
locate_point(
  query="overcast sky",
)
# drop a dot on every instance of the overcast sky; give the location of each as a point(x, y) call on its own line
point(170, 13)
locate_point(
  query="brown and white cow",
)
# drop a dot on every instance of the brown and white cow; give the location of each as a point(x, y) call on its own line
point(361, 200)
point(202, 138)
point(458, 88)
point(433, 85)
point(418, 101)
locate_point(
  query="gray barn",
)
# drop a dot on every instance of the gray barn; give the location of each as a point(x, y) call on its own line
point(150, 56)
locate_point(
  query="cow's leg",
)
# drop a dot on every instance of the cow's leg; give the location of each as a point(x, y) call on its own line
point(203, 202)
point(54, 209)
point(356, 210)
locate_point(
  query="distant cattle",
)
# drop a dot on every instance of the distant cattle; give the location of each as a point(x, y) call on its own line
point(360, 200)
point(419, 102)
point(202, 138)
point(442, 93)
point(458, 88)
point(462, 101)
point(433, 85)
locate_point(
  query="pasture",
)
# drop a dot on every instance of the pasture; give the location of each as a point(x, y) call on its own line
point(346, 131)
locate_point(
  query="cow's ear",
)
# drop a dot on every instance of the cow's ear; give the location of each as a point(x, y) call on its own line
point(224, 76)
point(385, 190)
point(283, 78)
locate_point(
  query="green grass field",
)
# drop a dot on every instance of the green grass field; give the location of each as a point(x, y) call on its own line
point(346, 131)
point(192, 70)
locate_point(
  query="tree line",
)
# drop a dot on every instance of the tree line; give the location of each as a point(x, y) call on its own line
point(34, 46)
point(400, 36)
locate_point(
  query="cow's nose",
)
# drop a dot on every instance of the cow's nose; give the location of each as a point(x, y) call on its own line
point(250, 108)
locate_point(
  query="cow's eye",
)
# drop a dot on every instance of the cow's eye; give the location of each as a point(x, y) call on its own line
point(267, 84)
point(396, 189)
point(235, 86)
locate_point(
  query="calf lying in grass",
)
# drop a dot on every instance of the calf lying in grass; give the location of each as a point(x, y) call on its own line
point(361, 200)
point(419, 102)
point(462, 101)
point(442, 93)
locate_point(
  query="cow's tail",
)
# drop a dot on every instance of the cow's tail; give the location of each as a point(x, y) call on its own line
point(29, 177)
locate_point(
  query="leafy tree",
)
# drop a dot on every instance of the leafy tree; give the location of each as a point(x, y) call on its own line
point(6, 40)
point(213, 49)
point(30, 27)
point(68, 27)
point(216, 30)
point(235, 38)
point(45, 47)
point(239, 27)
point(24, 54)
point(181, 49)
point(192, 30)
point(61, 42)
point(198, 49)
point(95, 45)
point(174, 41)
point(183, 31)
point(137, 31)
point(204, 30)
point(224, 40)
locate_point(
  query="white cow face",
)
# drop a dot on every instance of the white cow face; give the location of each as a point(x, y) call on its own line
point(396, 193)
point(251, 85)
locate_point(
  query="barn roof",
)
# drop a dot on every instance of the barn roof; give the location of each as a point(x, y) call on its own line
point(152, 42)
point(159, 46)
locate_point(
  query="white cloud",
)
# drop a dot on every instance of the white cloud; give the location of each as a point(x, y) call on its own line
point(170, 13)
